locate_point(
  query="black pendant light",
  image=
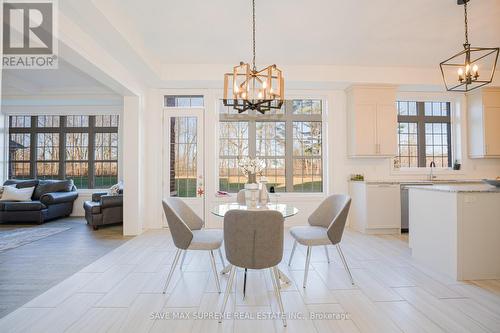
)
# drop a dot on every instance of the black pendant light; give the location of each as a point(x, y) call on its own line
point(471, 68)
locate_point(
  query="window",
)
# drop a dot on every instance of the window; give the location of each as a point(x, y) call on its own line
point(182, 101)
point(424, 134)
point(82, 148)
point(289, 140)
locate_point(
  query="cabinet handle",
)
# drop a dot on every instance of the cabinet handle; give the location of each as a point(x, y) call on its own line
point(486, 149)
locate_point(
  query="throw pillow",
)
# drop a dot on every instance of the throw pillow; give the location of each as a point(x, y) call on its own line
point(1, 189)
point(17, 194)
point(114, 190)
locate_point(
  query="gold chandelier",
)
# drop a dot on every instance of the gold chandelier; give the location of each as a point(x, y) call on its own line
point(247, 88)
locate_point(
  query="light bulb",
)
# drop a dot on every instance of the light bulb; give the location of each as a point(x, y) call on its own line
point(244, 95)
point(460, 72)
point(264, 84)
point(467, 69)
point(474, 69)
point(260, 94)
point(236, 89)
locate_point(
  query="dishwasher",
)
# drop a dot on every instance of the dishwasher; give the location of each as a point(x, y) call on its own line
point(405, 207)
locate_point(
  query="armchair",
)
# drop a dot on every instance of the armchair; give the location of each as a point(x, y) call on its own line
point(104, 209)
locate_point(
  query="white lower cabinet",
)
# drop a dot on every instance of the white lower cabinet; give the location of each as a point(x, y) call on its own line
point(375, 207)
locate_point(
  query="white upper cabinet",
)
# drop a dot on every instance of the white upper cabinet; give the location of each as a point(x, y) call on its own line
point(371, 121)
point(483, 118)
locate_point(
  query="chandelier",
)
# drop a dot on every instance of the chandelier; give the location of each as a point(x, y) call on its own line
point(247, 88)
point(462, 71)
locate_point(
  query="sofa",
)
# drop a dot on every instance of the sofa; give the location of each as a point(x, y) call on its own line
point(104, 209)
point(51, 199)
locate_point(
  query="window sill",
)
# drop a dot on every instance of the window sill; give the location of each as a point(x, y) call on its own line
point(426, 171)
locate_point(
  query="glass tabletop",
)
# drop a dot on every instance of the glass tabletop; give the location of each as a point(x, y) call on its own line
point(285, 209)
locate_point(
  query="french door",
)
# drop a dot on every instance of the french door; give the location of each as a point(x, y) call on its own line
point(183, 167)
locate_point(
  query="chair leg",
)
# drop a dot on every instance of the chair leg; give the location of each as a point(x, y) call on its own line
point(182, 260)
point(308, 260)
point(176, 259)
point(229, 287)
point(274, 277)
point(223, 263)
point(327, 255)
point(293, 252)
point(214, 268)
point(245, 283)
point(345, 263)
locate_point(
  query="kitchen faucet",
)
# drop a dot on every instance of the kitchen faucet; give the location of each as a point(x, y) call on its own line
point(431, 174)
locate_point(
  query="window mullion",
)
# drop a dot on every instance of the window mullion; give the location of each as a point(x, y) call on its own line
point(91, 152)
point(33, 143)
point(288, 147)
point(422, 158)
point(62, 147)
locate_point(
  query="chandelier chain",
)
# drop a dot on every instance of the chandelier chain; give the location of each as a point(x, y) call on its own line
point(466, 23)
point(253, 35)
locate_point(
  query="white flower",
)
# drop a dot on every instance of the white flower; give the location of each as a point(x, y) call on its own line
point(251, 166)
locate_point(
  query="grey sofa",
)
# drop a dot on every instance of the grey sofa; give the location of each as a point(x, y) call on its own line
point(51, 199)
point(104, 209)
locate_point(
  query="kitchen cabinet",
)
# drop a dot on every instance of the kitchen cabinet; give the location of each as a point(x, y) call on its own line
point(483, 115)
point(375, 207)
point(371, 121)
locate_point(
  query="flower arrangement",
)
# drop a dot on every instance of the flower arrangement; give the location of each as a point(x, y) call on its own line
point(251, 167)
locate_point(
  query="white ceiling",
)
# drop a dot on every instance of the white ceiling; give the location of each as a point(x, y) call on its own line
point(65, 79)
point(417, 33)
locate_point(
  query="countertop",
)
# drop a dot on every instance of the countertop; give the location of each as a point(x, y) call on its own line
point(475, 188)
point(419, 181)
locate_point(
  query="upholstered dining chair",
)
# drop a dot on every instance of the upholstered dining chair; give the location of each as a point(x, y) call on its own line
point(187, 233)
point(326, 227)
point(254, 240)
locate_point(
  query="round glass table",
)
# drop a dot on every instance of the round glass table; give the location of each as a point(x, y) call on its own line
point(285, 209)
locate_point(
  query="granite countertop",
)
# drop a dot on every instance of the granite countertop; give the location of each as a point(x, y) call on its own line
point(471, 188)
point(419, 181)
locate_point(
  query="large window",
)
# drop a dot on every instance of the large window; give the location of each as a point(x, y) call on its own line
point(82, 148)
point(424, 134)
point(289, 140)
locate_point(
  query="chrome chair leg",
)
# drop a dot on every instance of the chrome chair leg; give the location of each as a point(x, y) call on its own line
point(229, 287)
point(223, 263)
point(274, 277)
point(293, 252)
point(182, 260)
point(176, 259)
point(345, 263)
point(327, 255)
point(308, 260)
point(214, 268)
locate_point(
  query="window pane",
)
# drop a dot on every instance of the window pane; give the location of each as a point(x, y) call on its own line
point(182, 101)
point(106, 121)
point(48, 121)
point(307, 175)
point(19, 155)
point(231, 179)
point(183, 156)
point(106, 174)
point(77, 121)
point(307, 138)
point(20, 121)
point(407, 145)
point(306, 106)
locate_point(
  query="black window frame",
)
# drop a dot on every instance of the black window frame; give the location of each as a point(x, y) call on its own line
point(421, 120)
point(62, 130)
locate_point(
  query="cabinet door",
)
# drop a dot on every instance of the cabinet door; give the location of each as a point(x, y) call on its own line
point(383, 206)
point(387, 120)
point(492, 131)
point(365, 116)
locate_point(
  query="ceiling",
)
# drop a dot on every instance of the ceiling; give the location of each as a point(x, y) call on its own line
point(65, 79)
point(313, 32)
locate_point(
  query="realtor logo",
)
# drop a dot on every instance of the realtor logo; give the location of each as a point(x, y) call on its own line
point(29, 40)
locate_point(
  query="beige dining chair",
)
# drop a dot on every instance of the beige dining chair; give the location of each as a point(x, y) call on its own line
point(326, 227)
point(254, 240)
point(187, 233)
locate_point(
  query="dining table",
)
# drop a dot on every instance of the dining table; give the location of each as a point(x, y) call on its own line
point(285, 209)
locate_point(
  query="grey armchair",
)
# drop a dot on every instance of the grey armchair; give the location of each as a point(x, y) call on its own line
point(326, 227)
point(254, 240)
point(104, 209)
point(187, 233)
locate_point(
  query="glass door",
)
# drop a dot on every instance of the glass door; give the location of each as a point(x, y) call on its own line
point(183, 160)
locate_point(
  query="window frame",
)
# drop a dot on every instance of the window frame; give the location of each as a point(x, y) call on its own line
point(62, 130)
point(421, 120)
point(288, 117)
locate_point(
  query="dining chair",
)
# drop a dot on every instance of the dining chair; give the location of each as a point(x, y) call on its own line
point(326, 227)
point(254, 240)
point(188, 233)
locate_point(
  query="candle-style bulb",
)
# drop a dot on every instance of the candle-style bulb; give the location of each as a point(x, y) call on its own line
point(460, 72)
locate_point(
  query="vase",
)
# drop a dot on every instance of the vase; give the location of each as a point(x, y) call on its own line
point(252, 178)
point(251, 195)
